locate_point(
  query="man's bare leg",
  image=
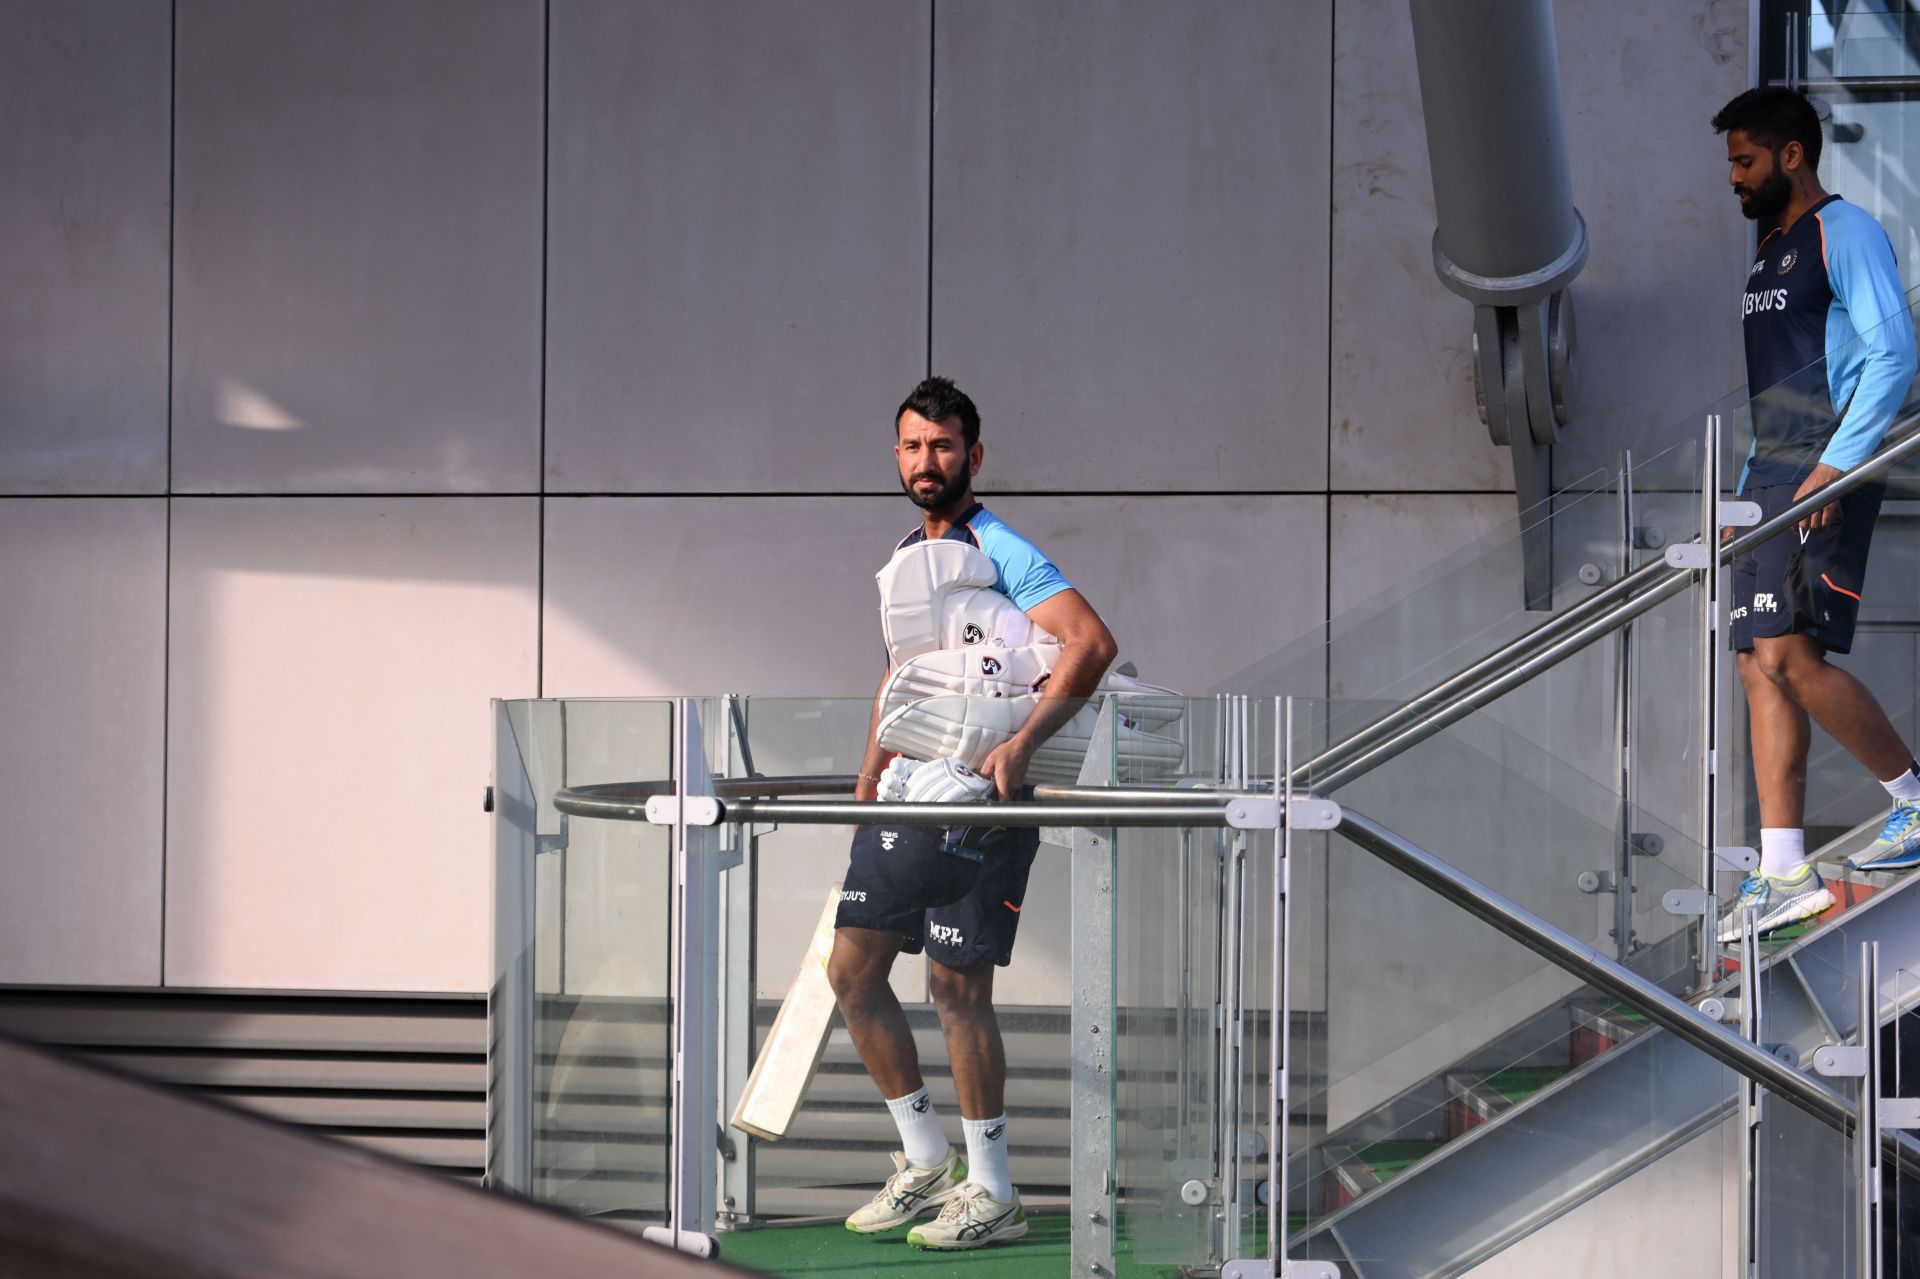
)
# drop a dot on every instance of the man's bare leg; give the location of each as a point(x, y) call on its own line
point(1780, 735)
point(858, 969)
point(1839, 703)
point(964, 999)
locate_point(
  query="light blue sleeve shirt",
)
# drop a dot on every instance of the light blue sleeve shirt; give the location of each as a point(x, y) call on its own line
point(1027, 577)
point(1870, 350)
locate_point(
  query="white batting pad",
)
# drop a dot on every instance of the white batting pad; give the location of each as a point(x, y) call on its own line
point(969, 728)
point(1016, 674)
point(940, 594)
point(946, 781)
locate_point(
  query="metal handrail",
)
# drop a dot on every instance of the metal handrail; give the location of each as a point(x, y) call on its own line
point(1546, 645)
point(759, 800)
point(627, 801)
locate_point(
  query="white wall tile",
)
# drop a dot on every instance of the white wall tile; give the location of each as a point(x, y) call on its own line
point(1130, 240)
point(83, 678)
point(357, 246)
point(737, 289)
point(329, 737)
point(83, 313)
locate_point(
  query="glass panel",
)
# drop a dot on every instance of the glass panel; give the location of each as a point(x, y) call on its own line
point(1433, 1027)
point(602, 1002)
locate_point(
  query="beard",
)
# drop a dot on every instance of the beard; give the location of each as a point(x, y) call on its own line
point(948, 493)
point(1769, 199)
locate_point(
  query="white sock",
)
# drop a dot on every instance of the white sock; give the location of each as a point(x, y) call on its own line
point(1906, 786)
point(1783, 851)
point(987, 1156)
point(921, 1139)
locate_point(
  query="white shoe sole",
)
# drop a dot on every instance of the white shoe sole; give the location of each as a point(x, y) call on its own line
point(1799, 909)
point(1000, 1236)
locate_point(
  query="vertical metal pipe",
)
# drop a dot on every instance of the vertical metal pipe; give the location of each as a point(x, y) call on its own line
point(1502, 182)
point(1623, 733)
point(1866, 1136)
point(1280, 1035)
point(1709, 702)
point(1752, 1098)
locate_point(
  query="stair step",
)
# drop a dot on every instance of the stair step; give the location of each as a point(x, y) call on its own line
point(1474, 1097)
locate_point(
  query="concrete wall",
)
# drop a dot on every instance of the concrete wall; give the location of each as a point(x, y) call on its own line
point(359, 362)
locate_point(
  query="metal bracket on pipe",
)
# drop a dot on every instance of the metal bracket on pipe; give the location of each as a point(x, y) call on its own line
point(1595, 881)
point(702, 810)
point(1689, 555)
point(1688, 901)
point(1312, 813)
point(1739, 514)
point(1254, 814)
point(1840, 1061)
point(1900, 1113)
point(1724, 1009)
point(1263, 1269)
point(1735, 857)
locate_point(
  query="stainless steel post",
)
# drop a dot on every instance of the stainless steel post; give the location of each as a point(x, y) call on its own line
point(1093, 1029)
point(1623, 729)
point(1752, 1096)
point(738, 980)
point(1866, 1142)
point(1280, 1034)
point(691, 1169)
point(1710, 705)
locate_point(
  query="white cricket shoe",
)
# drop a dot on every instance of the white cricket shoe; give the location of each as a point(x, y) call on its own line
point(910, 1192)
point(972, 1219)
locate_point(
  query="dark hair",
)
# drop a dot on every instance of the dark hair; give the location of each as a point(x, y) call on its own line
point(938, 399)
point(1773, 117)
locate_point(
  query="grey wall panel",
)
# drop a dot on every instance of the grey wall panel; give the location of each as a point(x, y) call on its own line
point(357, 247)
point(1387, 539)
point(83, 679)
point(1658, 333)
point(664, 596)
point(1402, 415)
point(1658, 303)
point(331, 661)
point(737, 280)
point(1193, 588)
point(1139, 305)
point(83, 246)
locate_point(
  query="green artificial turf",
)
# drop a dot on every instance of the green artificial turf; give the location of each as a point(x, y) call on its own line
point(833, 1250)
point(1521, 1082)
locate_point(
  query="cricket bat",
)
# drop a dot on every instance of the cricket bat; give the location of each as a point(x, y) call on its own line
point(784, 1070)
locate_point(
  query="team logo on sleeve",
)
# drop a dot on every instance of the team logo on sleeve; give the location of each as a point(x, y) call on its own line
point(1787, 260)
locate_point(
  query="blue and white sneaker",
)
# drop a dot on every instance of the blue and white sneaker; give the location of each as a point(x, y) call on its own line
point(1898, 847)
point(1777, 902)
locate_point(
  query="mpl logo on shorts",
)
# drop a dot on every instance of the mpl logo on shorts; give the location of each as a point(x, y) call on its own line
point(888, 838)
point(1765, 603)
point(946, 934)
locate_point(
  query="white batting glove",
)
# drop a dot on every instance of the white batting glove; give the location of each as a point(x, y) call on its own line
point(946, 781)
point(893, 779)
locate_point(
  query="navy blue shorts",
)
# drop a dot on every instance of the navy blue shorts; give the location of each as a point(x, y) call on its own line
point(975, 926)
point(1805, 583)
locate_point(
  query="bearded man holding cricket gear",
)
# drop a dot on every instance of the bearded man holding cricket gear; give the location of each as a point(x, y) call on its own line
point(956, 894)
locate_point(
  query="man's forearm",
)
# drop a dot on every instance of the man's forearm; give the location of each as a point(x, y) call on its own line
point(1075, 678)
point(867, 785)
